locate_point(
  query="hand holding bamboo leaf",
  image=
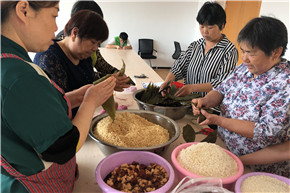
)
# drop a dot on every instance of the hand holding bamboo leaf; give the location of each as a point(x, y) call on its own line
point(201, 117)
point(109, 105)
point(189, 134)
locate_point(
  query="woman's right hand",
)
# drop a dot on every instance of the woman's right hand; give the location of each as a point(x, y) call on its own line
point(99, 93)
point(162, 86)
point(121, 82)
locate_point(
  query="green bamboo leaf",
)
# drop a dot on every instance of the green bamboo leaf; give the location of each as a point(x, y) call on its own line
point(122, 71)
point(94, 58)
point(101, 79)
point(109, 105)
point(173, 90)
point(188, 133)
point(131, 82)
point(201, 116)
point(211, 138)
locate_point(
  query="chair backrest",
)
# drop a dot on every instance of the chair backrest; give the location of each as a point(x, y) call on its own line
point(177, 46)
point(146, 46)
point(177, 51)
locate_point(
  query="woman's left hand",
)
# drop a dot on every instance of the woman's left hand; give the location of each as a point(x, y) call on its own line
point(211, 119)
point(184, 91)
point(121, 82)
point(76, 96)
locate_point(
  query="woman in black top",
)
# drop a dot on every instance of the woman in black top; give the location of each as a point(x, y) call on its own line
point(68, 62)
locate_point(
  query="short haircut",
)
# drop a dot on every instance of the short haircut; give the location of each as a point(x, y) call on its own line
point(90, 5)
point(123, 36)
point(267, 33)
point(211, 13)
point(90, 25)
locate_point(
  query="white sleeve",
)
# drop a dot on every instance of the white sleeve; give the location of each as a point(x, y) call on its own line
point(112, 41)
point(128, 42)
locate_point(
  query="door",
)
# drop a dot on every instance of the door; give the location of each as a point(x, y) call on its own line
point(238, 14)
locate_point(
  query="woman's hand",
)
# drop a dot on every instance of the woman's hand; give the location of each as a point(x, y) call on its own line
point(98, 94)
point(197, 104)
point(185, 90)
point(211, 119)
point(162, 86)
point(76, 96)
point(121, 82)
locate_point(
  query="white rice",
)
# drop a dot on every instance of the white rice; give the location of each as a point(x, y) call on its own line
point(207, 159)
point(263, 183)
point(130, 130)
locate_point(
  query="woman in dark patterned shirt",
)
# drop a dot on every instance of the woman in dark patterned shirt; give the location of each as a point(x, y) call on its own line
point(102, 67)
point(68, 62)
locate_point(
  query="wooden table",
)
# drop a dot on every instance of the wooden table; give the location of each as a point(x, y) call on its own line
point(135, 65)
point(90, 154)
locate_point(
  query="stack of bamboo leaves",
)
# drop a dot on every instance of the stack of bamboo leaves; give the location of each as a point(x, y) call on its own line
point(153, 96)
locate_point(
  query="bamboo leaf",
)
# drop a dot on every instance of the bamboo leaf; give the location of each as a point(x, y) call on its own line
point(211, 138)
point(101, 79)
point(109, 105)
point(122, 72)
point(188, 133)
point(94, 58)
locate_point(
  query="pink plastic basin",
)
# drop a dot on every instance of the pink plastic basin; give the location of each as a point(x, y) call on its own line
point(243, 177)
point(114, 160)
point(228, 182)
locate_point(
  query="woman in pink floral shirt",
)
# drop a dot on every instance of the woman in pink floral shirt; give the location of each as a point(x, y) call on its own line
point(255, 98)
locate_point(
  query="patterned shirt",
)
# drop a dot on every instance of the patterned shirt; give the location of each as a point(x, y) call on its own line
point(264, 100)
point(213, 68)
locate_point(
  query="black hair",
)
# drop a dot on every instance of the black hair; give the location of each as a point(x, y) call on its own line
point(123, 36)
point(91, 5)
point(7, 6)
point(211, 13)
point(90, 25)
point(267, 33)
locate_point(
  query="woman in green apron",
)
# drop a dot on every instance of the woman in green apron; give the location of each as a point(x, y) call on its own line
point(38, 139)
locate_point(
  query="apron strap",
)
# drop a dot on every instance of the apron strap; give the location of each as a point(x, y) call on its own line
point(10, 169)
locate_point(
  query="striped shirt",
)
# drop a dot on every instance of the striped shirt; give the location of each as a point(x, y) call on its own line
point(213, 68)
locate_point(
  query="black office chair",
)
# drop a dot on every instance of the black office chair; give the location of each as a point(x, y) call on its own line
point(177, 51)
point(146, 49)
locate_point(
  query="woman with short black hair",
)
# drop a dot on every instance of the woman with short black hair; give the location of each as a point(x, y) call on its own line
point(207, 61)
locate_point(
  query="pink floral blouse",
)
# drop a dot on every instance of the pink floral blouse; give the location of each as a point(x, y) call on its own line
point(264, 100)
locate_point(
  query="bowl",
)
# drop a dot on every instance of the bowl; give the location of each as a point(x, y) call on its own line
point(114, 160)
point(167, 123)
point(228, 182)
point(172, 112)
point(245, 176)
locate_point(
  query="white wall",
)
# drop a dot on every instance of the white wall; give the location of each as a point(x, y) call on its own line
point(279, 9)
point(164, 21)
